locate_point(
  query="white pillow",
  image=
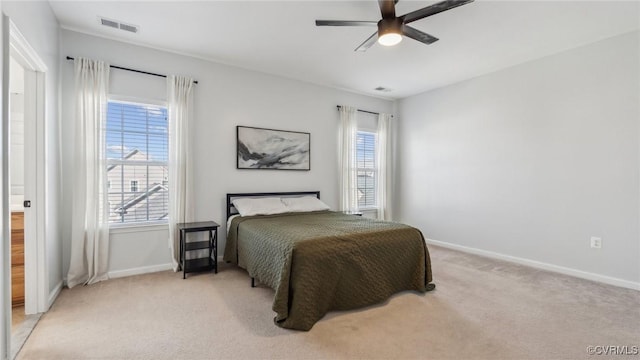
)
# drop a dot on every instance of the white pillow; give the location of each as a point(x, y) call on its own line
point(304, 204)
point(260, 206)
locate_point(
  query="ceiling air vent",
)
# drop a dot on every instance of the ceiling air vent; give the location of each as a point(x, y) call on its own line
point(109, 23)
point(382, 89)
point(130, 28)
point(119, 25)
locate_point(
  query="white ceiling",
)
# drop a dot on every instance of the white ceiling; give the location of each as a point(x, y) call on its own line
point(280, 37)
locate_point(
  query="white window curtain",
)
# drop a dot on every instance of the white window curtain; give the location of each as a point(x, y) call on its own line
point(179, 109)
point(347, 151)
point(384, 162)
point(90, 208)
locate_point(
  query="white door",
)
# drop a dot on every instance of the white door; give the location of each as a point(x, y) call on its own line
point(30, 175)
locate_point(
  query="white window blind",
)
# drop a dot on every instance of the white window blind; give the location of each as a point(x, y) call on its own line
point(366, 169)
point(137, 153)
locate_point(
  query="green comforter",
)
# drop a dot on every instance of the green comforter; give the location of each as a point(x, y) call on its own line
point(322, 261)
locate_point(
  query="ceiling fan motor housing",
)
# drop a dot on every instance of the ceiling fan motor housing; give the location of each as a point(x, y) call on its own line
point(390, 26)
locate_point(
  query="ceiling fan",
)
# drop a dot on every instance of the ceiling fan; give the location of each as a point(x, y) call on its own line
point(392, 27)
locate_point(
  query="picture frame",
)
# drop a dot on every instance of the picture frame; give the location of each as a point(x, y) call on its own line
point(270, 149)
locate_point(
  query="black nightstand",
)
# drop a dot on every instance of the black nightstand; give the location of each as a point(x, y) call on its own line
point(203, 263)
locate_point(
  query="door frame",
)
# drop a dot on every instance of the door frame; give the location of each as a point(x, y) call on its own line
point(5, 342)
point(36, 287)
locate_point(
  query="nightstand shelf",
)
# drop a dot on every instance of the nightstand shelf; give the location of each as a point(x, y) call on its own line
point(207, 263)
point(197, 245)
point(200, 264)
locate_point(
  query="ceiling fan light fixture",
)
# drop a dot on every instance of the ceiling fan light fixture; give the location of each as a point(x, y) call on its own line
point(389, 39)
point(389, 31)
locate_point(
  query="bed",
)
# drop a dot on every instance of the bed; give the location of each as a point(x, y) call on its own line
point(319, 261)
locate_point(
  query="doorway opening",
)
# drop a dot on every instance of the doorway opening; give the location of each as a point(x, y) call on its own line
point(24, 82)
point(16, 197)
point(20, 163)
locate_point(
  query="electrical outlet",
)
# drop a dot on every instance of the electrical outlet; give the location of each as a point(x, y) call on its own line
point(596, 242)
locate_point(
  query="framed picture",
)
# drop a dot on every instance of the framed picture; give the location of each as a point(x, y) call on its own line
point(259, 148)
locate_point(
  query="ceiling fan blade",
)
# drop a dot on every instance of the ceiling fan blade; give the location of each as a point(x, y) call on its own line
point(418, 35)
point(368, 43)
point(433, 9)
point(345, 23)
point(387, 8)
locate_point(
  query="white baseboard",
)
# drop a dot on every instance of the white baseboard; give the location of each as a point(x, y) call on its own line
point(140, 270)
point(540, 265)
point(144, 270)
point(53, 294)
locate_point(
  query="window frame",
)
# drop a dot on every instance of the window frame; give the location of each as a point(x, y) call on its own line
point(142, 225)
point(374, 169)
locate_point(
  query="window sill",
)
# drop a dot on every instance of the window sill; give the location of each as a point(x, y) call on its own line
point(132, 228)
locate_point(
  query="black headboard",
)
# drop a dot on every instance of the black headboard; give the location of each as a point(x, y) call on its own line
point(231, 210)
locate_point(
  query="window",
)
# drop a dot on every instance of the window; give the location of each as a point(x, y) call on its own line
point(137, 152)
point(366, 169)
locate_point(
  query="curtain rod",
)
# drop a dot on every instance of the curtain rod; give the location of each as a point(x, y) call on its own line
point(364, 111)
point(133, 70)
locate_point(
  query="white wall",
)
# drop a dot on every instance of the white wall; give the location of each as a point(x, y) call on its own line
point(532, 161)
point(36, 22)
point(225, 97)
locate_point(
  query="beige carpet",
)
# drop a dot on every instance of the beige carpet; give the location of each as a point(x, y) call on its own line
point(481, 309)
